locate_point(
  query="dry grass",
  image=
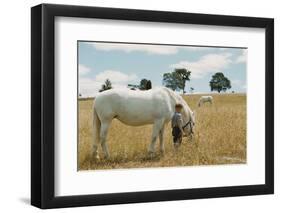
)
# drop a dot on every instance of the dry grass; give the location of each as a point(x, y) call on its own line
point(220, 138)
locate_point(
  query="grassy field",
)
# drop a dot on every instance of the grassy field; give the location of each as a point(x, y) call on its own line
point(220, 138)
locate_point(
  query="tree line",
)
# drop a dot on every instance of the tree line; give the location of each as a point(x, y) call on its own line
point(176, 80)
point(143, 85)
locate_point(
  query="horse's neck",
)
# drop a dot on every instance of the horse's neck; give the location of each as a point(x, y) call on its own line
point(174, 99)
point(187, 113)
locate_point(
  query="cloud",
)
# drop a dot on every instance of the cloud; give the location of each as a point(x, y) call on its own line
point(206, 64)
point(200, 48)
point(83, 70)
point(149, 49)
point(242, 58)
point(194, 48)
point(89, 87)
point(115, 76)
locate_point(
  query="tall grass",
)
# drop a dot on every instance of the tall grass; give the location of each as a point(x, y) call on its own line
point(220, 138)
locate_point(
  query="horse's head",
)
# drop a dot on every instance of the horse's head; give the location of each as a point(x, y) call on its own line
point(189, 123)
point(188, 120)
point(187, 115)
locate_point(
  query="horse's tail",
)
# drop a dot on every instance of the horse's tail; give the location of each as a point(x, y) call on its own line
point(97, 125)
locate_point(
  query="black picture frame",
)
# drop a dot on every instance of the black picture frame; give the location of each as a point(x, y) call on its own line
point(43, 105)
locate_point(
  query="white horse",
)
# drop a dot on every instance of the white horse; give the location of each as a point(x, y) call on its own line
point(136, 108)
point(205, 99)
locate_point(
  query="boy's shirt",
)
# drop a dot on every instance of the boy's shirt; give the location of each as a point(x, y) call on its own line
point(177, 120)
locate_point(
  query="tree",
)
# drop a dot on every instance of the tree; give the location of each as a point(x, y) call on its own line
point(176, 80)
point(219, 82)
point(145, 84)
point(170, 80)
point(133, 86)
point(148, 85)
point(106, 86)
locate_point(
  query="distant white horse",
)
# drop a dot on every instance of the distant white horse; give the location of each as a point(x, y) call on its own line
point(205, 99)
point(136, 108)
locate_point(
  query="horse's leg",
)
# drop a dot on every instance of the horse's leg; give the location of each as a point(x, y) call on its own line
point(96, 138)
point(161, 139)
point(103, 136)
point(158, 124)
point(95, 149)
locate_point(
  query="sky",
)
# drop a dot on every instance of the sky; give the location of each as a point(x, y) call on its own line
point(124, 63)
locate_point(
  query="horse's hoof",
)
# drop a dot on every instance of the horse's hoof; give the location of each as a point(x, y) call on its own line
point(96, 158)
point(106, 157)
point(151, 154)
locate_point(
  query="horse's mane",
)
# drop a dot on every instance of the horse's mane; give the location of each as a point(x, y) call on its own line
point(177, 99)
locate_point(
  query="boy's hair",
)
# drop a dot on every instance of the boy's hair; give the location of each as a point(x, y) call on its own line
point(178, 106)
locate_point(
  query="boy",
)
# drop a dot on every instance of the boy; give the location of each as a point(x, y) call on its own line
point(177, 123)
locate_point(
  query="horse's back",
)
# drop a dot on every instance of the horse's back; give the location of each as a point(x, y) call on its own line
point(117, 96)
point(206, 97)
point(132, 107)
